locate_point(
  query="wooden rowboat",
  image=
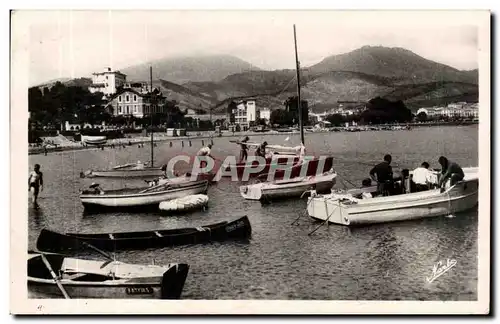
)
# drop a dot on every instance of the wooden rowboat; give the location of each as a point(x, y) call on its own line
point(52, 241)
point(81, 278)
point(140, 197)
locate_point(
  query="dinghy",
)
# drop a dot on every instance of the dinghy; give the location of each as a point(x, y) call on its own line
point(344, 208)
point(139, 197)
point(57, 276)
point(51, 241)
point(93, 140)
point(184, 204)
point(294, 187)
point(130, 170)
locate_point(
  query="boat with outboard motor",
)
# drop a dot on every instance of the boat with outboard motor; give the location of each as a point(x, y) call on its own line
point(357, 207)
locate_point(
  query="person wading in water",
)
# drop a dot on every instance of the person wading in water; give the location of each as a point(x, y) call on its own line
point(35, 183)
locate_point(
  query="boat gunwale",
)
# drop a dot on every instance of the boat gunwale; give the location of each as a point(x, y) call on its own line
point(144, 194)
point(425, 201)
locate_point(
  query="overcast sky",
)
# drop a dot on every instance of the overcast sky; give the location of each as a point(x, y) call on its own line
point(77, 43)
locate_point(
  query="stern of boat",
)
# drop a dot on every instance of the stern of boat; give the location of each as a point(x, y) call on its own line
point(173, 281)
point(251, 192)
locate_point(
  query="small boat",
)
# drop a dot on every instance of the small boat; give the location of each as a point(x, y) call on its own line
point(130, 170)
point(93, 140)
point(52, 241)
point(295, 187)
point(275, 165)
point(81, 278)
point(183, 204)
point(346, 209)
point(140, 197)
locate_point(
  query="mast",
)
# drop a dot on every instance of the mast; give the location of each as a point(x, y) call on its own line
point(299, 102)
point(151, 112)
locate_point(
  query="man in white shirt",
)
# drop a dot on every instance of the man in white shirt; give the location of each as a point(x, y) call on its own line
point(205, 151)
point(423, 177)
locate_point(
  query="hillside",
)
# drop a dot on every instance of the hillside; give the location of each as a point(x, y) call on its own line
point(400, 64)
point(358, 76)
point(180, 70)
point(79, 82)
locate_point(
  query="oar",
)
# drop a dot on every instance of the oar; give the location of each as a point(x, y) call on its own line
point(58, 283)
point(107, 255)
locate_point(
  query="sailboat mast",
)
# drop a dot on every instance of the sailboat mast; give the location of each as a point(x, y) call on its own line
point(151, 112)
point(299, 102)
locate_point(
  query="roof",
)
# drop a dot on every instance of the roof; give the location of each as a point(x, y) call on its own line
point(108, 72)
point(122, 91)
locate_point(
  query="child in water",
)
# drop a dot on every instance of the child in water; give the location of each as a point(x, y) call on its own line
point(35, 182)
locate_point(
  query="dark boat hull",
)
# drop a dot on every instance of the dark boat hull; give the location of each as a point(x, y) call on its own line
point(51, 241)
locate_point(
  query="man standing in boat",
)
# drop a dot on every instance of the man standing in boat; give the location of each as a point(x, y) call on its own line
point(449, 170)
point(35, 183)
point(382, 174)
point(261, 150)
point(244, 149)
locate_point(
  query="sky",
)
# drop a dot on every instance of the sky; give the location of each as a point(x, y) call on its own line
point(76, 43)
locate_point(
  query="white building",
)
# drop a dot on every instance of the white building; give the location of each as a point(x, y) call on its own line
point(452, 110)
point(245, 113)
point(265, 113)
point(107, 82)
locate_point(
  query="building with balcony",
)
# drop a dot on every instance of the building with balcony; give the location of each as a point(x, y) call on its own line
point(134, 102)
point(107, 81)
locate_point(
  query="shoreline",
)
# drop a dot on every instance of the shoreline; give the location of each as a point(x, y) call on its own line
point(210, 135)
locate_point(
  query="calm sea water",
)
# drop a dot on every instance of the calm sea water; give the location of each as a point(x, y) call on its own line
point(379, 262)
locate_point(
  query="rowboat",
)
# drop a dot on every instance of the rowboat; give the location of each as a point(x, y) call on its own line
point(140, 197)
point(295, 187)
point(52, 241)
point(346, 209)
point(130, 170)
point(184, 204)
point(93, 140)
point(81, 278)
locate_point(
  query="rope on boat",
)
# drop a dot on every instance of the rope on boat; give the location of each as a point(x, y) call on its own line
point(313, 194)
point(327, 219)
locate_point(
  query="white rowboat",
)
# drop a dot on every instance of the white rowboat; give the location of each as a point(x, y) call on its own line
point(81, 278)
point(137, 197)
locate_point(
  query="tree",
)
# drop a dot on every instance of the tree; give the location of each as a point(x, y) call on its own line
point(291, 106)
point(282, 117)
point(336, 119)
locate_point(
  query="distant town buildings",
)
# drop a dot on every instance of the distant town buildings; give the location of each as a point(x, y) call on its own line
point(459, 109)
point(107, 81)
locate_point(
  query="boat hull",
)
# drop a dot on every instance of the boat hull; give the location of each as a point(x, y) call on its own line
point(315, 167)
point(161, 283)
point(125, 173)
point(285, 190)
point(94, 140)
point(432, 203)
point(142, 199)
point(52, 241)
